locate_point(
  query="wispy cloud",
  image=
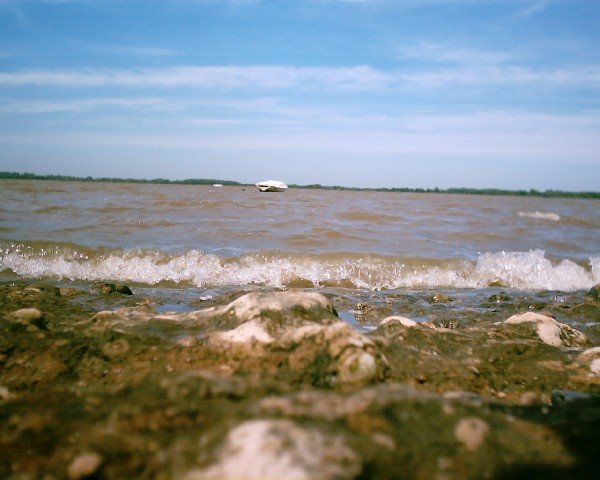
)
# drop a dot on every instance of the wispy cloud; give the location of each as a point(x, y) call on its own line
point(353, 78)
point(563, 77)
point(229, 77)
point(85, 105)
point(533, 8)
point(134, 51)
point(442, 53)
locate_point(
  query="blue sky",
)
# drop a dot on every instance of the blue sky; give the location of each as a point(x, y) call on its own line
point(406, 93)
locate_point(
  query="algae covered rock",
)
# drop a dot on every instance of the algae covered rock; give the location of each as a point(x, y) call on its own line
point(549, 330)
point(591, 358)
point(28, 316)
point(109, 288)
point(594, 292)
point(304, 325)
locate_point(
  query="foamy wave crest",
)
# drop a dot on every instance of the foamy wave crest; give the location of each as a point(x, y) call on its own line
point(532, 271)
point(522, 270)
point(554, 217)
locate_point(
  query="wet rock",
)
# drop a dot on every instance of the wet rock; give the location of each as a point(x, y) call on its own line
point(336, 354)
point(591, 358)
point(471, 432)
point(43, 289)
point(70, 292)
point(249, 332)
point(440, 298)
point(270, 449)
point(28, 316)
point(108, 288)
point(407, 322)
point(549, 330)
point(594, 292)
point(84, 466)
point(499, 297)
point(304, 324)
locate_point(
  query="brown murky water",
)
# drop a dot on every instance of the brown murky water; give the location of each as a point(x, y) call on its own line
point(231, 236)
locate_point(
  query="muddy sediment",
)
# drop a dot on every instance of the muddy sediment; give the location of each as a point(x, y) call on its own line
point(103, 381)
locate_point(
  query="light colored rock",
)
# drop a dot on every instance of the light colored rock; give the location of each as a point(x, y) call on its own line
point(407, 322)
point(5, 394)
point(28, 316)
point(261, 304)
point(25, 315)
point(591, 358)
point(550, 331)
point(245, 333)
point(357, 366)
point(471, 432)
point(84, 466)
point(303, 323)
point(280, 449)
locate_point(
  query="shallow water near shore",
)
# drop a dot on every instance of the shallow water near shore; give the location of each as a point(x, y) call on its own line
point(172, 331)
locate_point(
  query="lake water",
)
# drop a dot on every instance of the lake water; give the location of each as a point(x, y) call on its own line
point(182, 236)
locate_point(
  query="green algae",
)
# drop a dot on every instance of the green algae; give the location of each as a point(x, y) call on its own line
point(154, 399)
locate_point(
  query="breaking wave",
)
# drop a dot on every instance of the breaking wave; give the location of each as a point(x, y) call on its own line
point(554, 217)
point(521, 270)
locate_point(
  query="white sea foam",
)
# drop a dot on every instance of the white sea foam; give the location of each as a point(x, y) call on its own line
point(554, 217)
point(522, 270)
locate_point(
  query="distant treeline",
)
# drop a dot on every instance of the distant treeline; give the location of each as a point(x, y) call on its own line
point(464, 191)
point(211, 181)
point(67, 178)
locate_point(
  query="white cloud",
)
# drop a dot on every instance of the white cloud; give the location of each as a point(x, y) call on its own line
point(286, 77)
point(36, 107)
point(223, 77)
point(134, 51)
point(480, 76)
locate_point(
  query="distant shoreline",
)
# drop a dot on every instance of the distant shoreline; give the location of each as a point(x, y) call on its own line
point(211, 181)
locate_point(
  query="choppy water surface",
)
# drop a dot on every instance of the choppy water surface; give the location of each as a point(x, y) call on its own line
point(232, 236)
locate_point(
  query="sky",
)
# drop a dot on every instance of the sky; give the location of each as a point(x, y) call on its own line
point(367, 93)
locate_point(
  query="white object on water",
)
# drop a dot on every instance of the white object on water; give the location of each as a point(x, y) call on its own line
point(271, 186)
point(217, 185)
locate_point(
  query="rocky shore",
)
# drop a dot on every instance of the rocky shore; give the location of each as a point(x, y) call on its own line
point(102, 381)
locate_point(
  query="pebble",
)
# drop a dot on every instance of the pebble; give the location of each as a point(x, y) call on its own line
point(471, 432)
point(84, 465)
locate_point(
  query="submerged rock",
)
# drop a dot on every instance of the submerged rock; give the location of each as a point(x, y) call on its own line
point(108, 288)
point(265, 449)
point(549, 330)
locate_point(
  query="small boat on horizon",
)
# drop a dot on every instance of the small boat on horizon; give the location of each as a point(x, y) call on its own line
point(271, 186)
